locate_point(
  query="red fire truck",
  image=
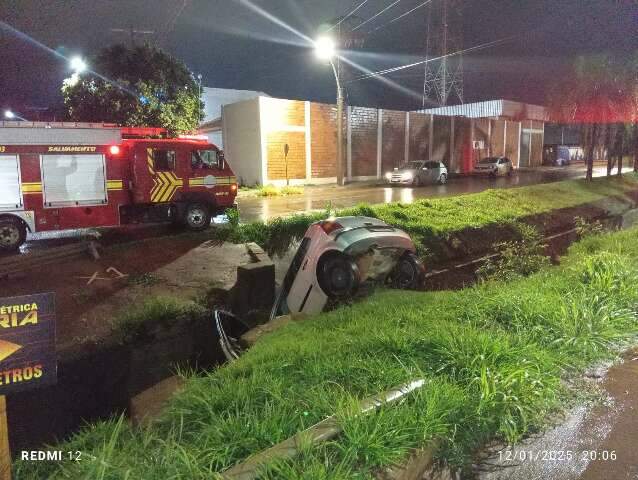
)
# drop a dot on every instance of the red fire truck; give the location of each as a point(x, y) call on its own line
point(57, 176)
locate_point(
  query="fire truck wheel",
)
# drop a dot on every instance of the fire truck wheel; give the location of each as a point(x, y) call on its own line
point(197, 217)
point(12, 234)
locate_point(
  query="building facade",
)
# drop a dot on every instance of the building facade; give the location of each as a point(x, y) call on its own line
point(257, 131)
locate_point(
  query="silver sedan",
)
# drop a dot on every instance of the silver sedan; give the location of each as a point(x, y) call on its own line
point(417, 173)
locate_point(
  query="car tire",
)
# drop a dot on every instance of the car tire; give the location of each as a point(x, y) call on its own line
point(416, 182)
point(338, 275)
point(509, 173)
point(443, 179)
point(197, 217)
point(408, 273)
point(13, 233)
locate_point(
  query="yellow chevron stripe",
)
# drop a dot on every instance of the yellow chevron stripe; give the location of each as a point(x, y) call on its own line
point(149, 161)
point(164, 184)
point(32, 187)
point(168, 188)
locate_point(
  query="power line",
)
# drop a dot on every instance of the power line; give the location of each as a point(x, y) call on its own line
point(343, 19)
point(403, 67)
point(375, 16)
point(399, 17)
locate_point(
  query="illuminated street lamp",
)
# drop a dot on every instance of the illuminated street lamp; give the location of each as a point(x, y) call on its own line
point(326, 49)
point(78, 65)
point(11, 115)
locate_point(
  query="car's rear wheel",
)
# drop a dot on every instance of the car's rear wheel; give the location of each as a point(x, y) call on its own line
point(13, 233)
point(197, 217)
point(338, 275)
point(443, 179)
point(408, 273)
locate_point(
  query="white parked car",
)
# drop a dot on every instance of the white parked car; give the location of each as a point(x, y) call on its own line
point(339, 255)
point(417, 173)
point(494, 167)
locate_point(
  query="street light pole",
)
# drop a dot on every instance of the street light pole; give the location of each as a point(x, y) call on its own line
point(340, 102)
point(326, 49)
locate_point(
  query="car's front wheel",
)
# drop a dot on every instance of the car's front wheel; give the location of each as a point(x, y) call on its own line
point(338, 275)
point(443, 179)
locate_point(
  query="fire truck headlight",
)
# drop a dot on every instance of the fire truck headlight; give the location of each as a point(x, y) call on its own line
point(115, 150)
point(233, 187)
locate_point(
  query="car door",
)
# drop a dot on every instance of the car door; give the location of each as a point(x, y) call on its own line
point(429, 174)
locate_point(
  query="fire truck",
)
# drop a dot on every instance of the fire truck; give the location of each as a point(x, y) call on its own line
point(59, 176)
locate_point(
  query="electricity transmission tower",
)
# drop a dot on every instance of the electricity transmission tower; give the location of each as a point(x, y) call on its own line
point(443, 78)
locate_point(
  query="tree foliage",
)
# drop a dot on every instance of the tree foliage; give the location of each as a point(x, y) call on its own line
point(601, 94)
point(139, 86)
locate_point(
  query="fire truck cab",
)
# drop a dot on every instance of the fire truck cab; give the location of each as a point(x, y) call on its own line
point(58, 176)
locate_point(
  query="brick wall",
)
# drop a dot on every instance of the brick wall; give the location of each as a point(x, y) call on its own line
point(463, 162)
point(279, 113)
point(480, 132)
point(364, 129)
point(323, 140)
point(419, 136)
point(511, 146)
point(441, 139)
point(497, 146)
point(296, 155)
point(393, 145)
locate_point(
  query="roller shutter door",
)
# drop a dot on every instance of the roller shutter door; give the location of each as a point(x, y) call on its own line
point(10, 195)
point(73, 180)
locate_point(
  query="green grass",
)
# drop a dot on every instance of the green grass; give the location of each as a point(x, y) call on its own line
point(429, 221)
point(271, 191)
point(142, 321)
point(494, 357)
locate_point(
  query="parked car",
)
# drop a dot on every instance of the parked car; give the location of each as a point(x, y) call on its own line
point(494, 166)
point(338, 256)
point(418, 172)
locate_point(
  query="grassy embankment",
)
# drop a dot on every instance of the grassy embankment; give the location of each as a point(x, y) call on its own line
point(432, 221)
point(495, 357)
point(270, 191)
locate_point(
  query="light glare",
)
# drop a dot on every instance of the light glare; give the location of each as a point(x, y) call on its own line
point(325, 48)
point(78, 65)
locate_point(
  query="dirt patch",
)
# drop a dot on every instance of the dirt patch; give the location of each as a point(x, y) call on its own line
point(74, 297)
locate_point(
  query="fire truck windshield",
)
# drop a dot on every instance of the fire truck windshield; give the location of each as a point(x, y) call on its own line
point(205, 159)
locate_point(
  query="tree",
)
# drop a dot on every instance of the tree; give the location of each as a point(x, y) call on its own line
point(139, 86)
point(602, 96)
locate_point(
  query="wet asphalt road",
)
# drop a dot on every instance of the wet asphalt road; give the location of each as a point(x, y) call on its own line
point(316, 198)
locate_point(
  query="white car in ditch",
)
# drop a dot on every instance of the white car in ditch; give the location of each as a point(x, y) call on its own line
point(339, 255)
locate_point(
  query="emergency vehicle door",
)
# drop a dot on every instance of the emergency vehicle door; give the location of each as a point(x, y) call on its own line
point(207, 168)
point(10, 192)
point(157, 174)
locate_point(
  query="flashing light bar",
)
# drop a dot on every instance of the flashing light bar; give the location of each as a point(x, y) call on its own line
point(199, 138)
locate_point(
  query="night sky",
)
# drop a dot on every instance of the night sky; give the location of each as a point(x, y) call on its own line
point(233, 47)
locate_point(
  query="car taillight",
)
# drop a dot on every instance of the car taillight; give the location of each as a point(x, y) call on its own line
point(330, 226)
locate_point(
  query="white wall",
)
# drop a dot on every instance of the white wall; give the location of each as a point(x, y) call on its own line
point(242, 140)
point(215, 98)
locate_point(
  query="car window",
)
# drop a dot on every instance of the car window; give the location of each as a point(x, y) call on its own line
point(431, 165)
